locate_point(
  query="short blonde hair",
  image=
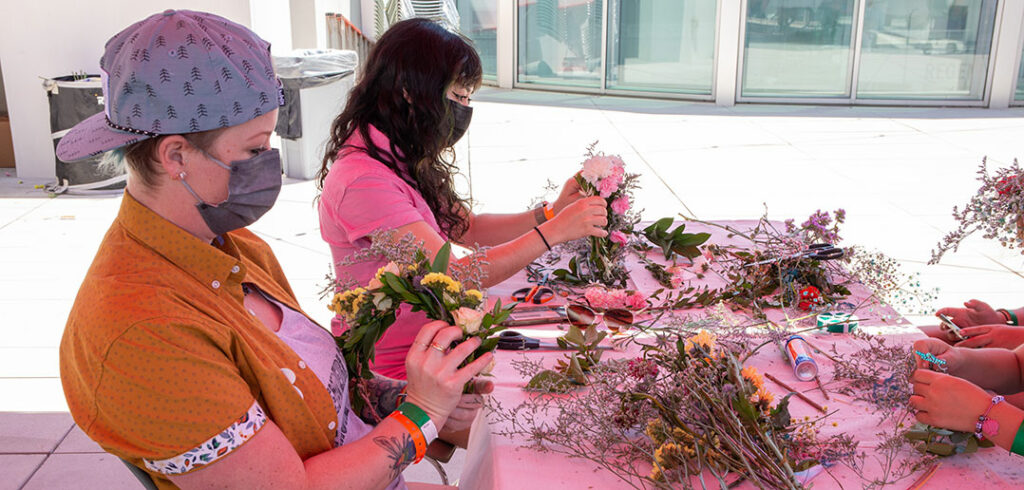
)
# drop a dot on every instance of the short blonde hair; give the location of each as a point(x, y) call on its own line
point(141, 157)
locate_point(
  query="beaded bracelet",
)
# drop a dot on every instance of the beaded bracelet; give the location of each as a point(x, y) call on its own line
point(986, 426)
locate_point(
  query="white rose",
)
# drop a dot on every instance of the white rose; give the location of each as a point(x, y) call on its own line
point(596, 168)
point(490, 367)
point(468, 319)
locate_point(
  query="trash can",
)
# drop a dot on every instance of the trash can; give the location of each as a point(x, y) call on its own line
point(316, 85)
point(72, 99)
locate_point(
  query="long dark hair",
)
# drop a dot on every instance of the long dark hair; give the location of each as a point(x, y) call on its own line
point(402, 93)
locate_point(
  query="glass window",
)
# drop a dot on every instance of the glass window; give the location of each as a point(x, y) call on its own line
point(560, 42)
point(920, 49)
point(654, 45)
point(1020, 80)
point(798, 48)
point(478, 20)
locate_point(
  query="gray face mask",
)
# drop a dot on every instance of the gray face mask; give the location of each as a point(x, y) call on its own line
point(252, 190)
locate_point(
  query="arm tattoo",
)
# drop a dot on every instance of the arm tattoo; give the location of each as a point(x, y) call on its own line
point(384, 395)
point(400, 450)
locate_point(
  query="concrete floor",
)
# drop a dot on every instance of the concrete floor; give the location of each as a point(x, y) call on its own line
point(897, 171)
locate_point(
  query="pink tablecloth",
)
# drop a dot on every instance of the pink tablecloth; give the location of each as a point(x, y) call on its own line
point(498, 462)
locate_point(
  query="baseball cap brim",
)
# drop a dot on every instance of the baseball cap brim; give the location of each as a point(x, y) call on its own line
point(92, 137)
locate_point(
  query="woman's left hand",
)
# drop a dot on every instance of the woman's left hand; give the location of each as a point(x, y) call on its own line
point(469, 405)
point(571, 192)
point(1003, 336)
point(946, 401)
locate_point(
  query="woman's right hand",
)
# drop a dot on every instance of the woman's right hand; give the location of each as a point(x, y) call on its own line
point(975, 312)
point(583, 218)
point(435, 380)
point(941, 350)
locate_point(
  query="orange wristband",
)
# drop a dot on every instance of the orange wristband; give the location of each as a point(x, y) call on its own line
point(417, 435)
point(549, 211)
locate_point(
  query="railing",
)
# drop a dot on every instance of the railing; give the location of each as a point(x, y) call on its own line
point(341, 34)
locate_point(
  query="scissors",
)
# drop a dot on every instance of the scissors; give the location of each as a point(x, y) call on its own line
point(538, 294)
point(513, 340)
point(817, 251)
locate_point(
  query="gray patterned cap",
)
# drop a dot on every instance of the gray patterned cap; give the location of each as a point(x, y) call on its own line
point(176, 72)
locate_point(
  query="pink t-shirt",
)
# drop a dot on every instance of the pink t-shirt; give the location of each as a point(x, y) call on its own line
point(362, 195)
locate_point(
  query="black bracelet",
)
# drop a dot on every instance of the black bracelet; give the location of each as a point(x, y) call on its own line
point(542, 238)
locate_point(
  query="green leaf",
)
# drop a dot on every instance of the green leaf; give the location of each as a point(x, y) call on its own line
point(574, 336)
point(441, 259)
point(552, 381)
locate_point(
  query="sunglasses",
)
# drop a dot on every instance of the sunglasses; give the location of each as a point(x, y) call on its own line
point(583, 316)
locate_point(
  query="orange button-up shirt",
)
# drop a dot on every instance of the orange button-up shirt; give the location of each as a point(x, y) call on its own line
point(161, 363)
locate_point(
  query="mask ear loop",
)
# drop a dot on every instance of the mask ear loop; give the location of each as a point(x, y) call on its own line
point(181, 176)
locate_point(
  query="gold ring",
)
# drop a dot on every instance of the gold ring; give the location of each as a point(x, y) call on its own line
point(424, 344)
point(437, 347)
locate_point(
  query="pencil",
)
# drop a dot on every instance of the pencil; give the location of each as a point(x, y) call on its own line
point(797, 393)
point(925, 477)
point(822, 388)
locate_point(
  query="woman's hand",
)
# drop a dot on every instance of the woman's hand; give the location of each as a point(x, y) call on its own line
point(941, 350)
point(585, 217)
point(946, 401)
point(571, 192)
point(435, 380)
point(1003, 336)
point(974, 313)
point(469, 406)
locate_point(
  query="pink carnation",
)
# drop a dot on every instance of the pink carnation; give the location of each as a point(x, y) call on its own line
point(620, 205)
point(618, 237)
point(636, 301)
point(596, 298)
point(609, 185)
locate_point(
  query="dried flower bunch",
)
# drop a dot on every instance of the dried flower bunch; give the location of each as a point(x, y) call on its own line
point(685, 410)
point(996, 210)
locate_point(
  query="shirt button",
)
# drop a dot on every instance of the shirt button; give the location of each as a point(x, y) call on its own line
point(302, 364)
point(235, 269)
point(332, 425)
point(215, 284)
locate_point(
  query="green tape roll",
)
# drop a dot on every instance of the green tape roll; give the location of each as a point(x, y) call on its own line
point(836, 322)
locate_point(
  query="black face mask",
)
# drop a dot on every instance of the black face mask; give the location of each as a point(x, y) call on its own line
point(462, 114)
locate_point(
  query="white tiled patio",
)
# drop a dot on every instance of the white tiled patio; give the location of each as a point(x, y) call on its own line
point(897, 171)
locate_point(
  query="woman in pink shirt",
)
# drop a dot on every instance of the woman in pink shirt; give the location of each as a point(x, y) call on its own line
point(390, 164)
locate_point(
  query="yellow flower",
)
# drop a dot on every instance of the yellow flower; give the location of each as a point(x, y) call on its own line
point(763, 398)
point(356, 303)
point(669, 455)
point(704, 339)
point(441, 280)
point(750, 374)
point(655, 474)
point(476, 295)
point(764, 395)
point(655, 430)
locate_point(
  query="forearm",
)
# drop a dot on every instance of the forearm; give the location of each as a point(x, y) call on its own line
point(1009, 418)
point(494, 229)
point(372, 461)
point(504, 260)
point(998, 370)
